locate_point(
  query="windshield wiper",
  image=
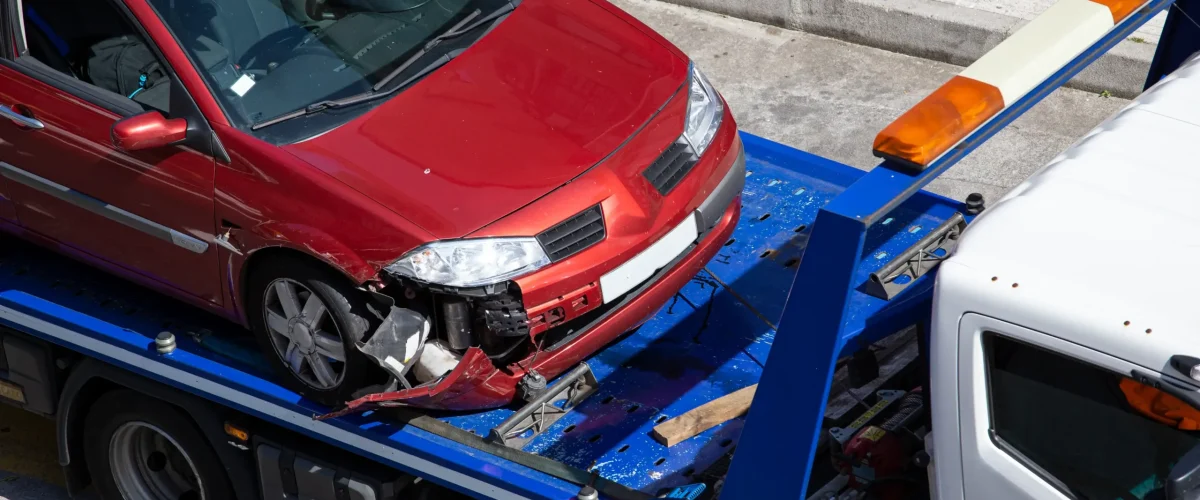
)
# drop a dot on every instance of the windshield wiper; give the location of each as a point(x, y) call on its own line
point(456, 30)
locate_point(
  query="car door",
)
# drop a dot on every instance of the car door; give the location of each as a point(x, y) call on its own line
point(148, 213)
point(1044, 418)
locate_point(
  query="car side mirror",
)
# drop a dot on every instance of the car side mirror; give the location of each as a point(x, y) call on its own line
point(148, 130)
point(1184, 481)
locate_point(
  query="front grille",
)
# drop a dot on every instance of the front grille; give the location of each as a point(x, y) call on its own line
point(573, 235)
point(670, 168)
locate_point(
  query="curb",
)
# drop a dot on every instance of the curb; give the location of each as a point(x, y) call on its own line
point(931, 30)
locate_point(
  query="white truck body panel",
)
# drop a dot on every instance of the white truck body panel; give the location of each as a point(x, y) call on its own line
point(1092, 257)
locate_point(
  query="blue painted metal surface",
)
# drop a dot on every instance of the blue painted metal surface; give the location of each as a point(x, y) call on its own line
point(1180, 39)
point(826, 309)
point(712, 339)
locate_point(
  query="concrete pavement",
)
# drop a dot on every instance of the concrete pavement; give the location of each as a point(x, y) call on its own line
point(818, 94)
point(953, 31)
point(1028, 9)
point(831, 97)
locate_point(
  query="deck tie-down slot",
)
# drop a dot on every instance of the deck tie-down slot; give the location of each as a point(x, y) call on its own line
point(917, 260)
point(540, 413)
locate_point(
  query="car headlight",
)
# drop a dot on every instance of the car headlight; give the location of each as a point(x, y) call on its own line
point(705, 111)
point(468, 263)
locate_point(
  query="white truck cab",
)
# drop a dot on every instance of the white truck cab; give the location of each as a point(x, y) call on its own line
point(1063, 306)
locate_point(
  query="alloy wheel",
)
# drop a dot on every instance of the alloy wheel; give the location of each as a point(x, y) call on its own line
point(304, 334)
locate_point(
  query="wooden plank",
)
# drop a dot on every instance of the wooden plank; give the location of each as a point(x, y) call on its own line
point(704, 417)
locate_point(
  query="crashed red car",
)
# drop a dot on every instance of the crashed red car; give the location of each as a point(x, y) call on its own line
point(409, 201)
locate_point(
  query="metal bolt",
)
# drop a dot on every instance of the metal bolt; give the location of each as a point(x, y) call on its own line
point(588, 493)
point(165, 342)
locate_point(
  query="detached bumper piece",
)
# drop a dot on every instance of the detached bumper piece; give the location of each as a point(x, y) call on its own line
point(545, 408)
point(466, 377)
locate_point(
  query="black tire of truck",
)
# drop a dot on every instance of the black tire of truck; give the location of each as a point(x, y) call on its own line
point(350, 310)
point(116, 413)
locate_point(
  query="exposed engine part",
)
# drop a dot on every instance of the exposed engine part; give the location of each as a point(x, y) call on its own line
point(492, 318)
point(456, 318)
point(504, 315)
point(532, 385)
point(398, 342)
point(436, 360)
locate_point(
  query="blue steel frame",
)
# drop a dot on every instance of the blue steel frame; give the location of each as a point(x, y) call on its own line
point(784, 422)
point(401, 446)
point(1180, 39)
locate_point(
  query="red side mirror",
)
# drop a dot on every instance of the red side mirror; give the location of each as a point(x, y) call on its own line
point(148, 130)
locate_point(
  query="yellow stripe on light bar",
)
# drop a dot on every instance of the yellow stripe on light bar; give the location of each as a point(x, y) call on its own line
point(1000, 78)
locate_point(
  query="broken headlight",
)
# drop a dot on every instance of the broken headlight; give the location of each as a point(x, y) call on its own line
point(705, 111)
point(469, 263)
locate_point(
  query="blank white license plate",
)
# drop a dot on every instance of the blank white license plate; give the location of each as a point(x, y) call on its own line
point(642, 266)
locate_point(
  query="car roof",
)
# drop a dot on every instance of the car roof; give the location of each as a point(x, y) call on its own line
point(1107, 235)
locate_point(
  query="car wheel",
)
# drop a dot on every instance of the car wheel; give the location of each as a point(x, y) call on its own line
point(308, 321)
point(139, 447)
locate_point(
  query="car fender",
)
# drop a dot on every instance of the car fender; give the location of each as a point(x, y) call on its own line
point(298, 238)
point(315, 243)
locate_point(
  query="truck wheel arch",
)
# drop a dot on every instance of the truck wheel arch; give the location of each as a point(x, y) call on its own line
point(89, 379)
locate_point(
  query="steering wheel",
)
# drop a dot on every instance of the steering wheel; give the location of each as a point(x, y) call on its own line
point(281, 44)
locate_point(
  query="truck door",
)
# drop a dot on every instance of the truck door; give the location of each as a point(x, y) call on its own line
point(1044, 418)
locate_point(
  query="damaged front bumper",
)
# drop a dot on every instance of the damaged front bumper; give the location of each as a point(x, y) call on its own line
point(477, 383)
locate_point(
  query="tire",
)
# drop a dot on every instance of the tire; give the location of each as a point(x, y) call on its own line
point(115, 415)
point(349, 313)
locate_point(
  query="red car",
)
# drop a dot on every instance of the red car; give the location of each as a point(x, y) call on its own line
point(418, 200)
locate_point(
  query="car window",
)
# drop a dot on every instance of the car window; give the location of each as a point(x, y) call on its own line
point(93, 42)
point(1096, 433)
point(266, 58)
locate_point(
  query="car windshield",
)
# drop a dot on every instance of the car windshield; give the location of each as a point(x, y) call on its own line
point(267, 59)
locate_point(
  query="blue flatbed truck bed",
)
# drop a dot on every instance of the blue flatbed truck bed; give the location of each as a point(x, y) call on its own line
point(713, 338)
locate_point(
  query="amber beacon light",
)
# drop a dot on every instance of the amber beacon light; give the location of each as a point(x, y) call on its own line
point(998, 79)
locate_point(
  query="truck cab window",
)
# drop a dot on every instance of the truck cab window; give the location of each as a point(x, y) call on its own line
point(90, 40)
point(1097, 434)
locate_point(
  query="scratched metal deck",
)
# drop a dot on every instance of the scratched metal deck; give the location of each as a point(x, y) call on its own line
point(712, 339)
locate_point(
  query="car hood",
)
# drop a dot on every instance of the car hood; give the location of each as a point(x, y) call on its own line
point(549, 93)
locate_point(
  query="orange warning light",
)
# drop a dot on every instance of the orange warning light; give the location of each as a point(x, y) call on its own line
point(1121, 8)
point(236, 432)
point(939, 121)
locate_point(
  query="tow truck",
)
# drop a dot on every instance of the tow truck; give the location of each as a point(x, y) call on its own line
point(902, 343)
